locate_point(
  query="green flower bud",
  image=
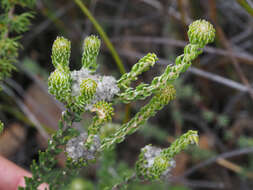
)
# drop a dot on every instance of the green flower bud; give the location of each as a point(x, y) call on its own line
point(201, 32)
point(152, 165)
point(166, 94)
point(155, 163)
point(91, 48)
point(88, 89)
point(104, 110)
point(59, 84)
point(61, 52)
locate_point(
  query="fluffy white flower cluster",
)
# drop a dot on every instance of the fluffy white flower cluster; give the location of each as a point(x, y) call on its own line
point(106, 85)
point(151, 153)
point(77, 150)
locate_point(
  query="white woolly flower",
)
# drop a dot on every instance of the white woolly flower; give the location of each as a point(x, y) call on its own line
point(153, 164)
point(76, 149)
point(106, 86)
point(77, 78)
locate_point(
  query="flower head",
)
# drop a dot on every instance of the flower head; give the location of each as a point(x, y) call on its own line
point(201, 32)
point(59, 84)
point(61, 52)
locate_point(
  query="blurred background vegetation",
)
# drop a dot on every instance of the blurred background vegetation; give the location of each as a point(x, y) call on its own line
point(214, 97)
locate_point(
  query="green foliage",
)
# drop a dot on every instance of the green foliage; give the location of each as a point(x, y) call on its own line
point(14, 24)
point(7, 4)
point(19, 23)
point(45, 170)
point(191, 137)
point(158, 101)
point(83, 91)
point(141, 66)
point(200, 33)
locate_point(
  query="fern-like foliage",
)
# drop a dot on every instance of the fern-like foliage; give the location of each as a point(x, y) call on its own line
point(12, 25)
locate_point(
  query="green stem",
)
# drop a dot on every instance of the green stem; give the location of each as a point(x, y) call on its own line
point(103, 35)
point(130, 127)
point(246, 6)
